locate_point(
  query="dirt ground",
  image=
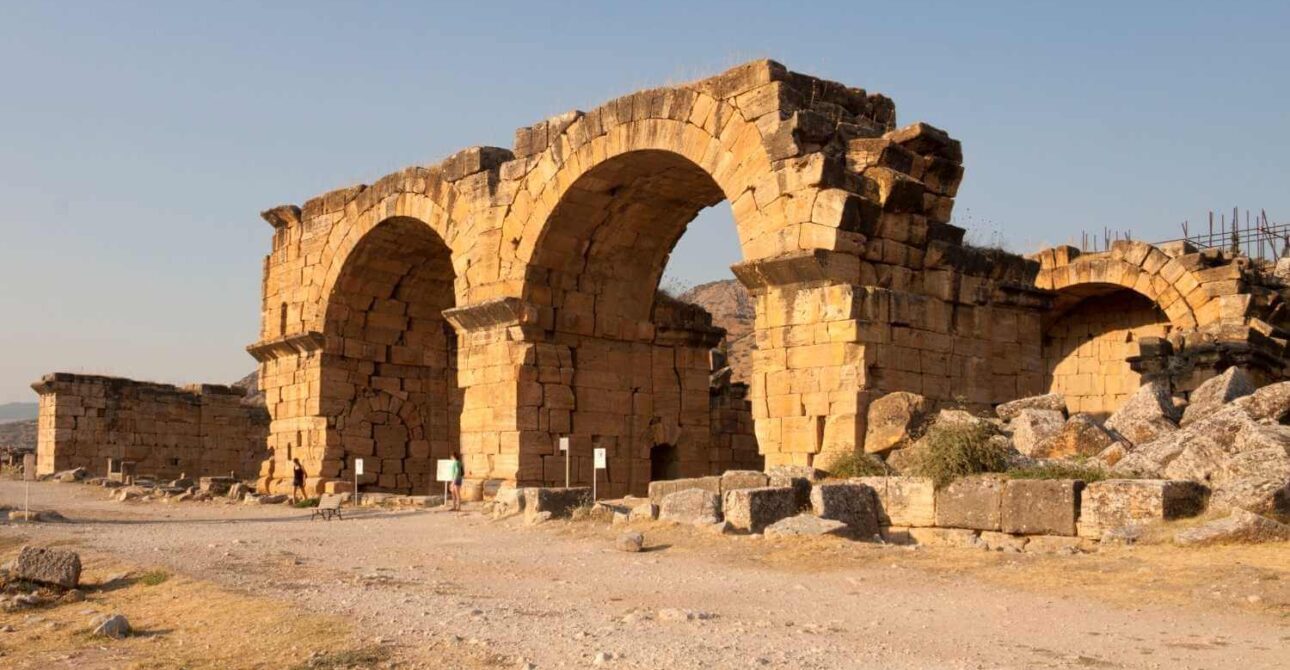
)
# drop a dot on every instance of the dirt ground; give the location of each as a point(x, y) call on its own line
point(264, 587)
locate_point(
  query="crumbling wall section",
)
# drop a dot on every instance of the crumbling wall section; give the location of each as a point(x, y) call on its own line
point(197, 430)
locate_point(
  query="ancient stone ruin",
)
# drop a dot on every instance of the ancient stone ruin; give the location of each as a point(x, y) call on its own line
point(506, 298)
point(166, 431)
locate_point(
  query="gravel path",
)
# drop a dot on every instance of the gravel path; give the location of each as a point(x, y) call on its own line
point(559, 596)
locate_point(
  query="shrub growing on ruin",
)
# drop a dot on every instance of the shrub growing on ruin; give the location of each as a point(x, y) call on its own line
point(1055, 470)
point(951, 450)
point(852, 464)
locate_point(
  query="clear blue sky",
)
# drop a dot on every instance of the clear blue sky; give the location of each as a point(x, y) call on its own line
point(138, 141)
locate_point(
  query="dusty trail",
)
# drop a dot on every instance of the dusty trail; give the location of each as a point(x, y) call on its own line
point(558, 594)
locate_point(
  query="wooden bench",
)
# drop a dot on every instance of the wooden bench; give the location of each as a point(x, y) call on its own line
point(328, 507)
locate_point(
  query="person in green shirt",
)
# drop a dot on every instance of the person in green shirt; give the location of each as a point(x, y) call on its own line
point(458, 472)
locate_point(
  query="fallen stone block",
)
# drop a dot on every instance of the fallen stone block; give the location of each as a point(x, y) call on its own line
point(1270, 403)
point(752, 510)
point(1041, 506)
point(643, 512)
point(1147, 415)
point(896, 535)
point(1050, 401)
point(743, 479)
point(276, 499)
point(49, 566)
point(973, 502)
point(660, 488)
point(630, 541)
point(946, 537)
point(1257, 480)
point(903, 501)
point(893, 421)
point(216, 485)
point(557, 502)
point(1081, 435)
point(1032, 428)
point(508, 502)
point(1239, 527)
point(1116, 503)
point(1216, 392)
point(806, 525)
point(71, 476)
point(853, 504)
point(690, 506)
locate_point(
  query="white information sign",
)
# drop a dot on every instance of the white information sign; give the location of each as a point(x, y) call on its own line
point(599, 458)
point(358, 466)
point(564, 444)
point(443, 470)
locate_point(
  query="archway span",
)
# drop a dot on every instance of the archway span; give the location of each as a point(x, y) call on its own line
point(388, 378)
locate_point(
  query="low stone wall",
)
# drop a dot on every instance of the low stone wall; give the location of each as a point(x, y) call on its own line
point(166, 430)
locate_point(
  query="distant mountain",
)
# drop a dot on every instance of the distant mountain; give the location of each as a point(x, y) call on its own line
point(18, 436)
point(18, 411)
point(731, 308)
point(251, 384)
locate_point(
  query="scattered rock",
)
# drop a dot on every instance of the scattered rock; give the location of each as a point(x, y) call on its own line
point(643, 512)
point(1270, 403)
point(631, 541)
point(276, 499)
point(1081, 435)
point(537, 518)
point(1051, 401)
point(49, 566)
point(115, 626)
point(1239, 527)
point(995, 541)
point(1216, 392)
point(71, 476)
point(675, 614)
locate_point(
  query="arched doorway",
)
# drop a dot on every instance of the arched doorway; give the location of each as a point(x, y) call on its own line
point(1088, 338)
point(388, 375)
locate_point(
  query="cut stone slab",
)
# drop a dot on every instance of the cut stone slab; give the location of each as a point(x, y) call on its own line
point(1257, 481)
point(852, 504)
point(690, 506)
point(805, 525)
point(1049, 401)
point(659, 489)
point(903, 501)
point(1032, 428)
point(49, 566)
point(556, 502)
point(508, 502)
point(215, 486)
point(752, 510)
point(974, 502)
point(743, 479)
point(1117, 503)
point(1239, 527)
point(798, 479)
point(1216, 392)
point(893, 421)
point(1081, 435)
point(1270, 403)
point(1041, 506)
point(1147, 415)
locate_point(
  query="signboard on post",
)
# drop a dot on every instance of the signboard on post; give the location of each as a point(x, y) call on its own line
point(597, 464)
point(444, 472)
point(358, 466)
point(564, 446)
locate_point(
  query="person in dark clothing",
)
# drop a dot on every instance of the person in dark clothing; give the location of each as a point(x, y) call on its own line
point(457, 474)
point(297, 480)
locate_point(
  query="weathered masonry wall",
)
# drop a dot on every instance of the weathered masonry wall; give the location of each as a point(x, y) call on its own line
point(196, 430)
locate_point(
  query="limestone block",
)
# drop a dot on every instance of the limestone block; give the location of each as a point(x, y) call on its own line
point(806, 525)
point(962, 538)
point(557, 502)
point(1081, 435)
point(690, 506)
point(1269, 403)
point(973, 502)
point(1033, 428)
point(903, 501)
point(851, 503)
point(743, 479)
point(1003, 541)
point(1050, 401)
point(1054, 544)
point(660, 488)
point(1240, 526)
point(893, 421)
point(49, 566)
point(1257, 480)
point(1147, 415)
point(1115, 503)
point(1216, 392)
point(752, 510)
point(1041, 506)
